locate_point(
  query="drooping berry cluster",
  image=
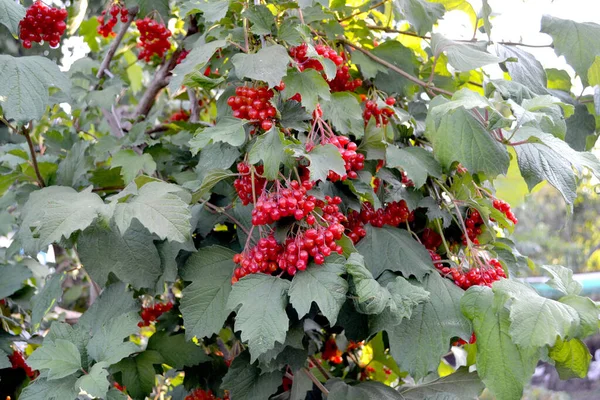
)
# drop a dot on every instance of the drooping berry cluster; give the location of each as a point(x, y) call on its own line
point(243, 184)
point(331, 352)
point(17, 361)
point(119, 387)
point(473, 223)
point(353, 161)
point(342, 80)
point(180, 115)
point(42, 23)
point(253, 104)
point(184, 53)
point(260, 258)
point(381, 115)
point(504, 207)
point(150, 314)
point(430, 239)
point(285, 202)
point(464, 279)
point(154, 39)
point(393, 214)
point(105, 27)
point(201, 394)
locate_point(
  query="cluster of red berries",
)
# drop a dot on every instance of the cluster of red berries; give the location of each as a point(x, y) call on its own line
point(504, 207)
point(342, 80)
point(180, 115)
point(106, 26)
point(243, 184)
point(461, 342)
point(260, 258)
point(331, 352)
point(201, 394)
point(253, 104)
point(42, 23)
point(353, 161)
point(473, 223)
point(474, 276)
point(17, 361)
point(150, 314)
point(381, 115)
point(154, 39)
point(119, 387)
point(393, 214)
point(430, 239)
point(285, 202)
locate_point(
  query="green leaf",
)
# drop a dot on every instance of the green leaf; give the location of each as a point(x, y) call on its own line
point(269, 149)
point(107, 344)
point(75, 334)
point(57, 389)
point(261, 318)
point(571, 358)
point(4, 361)
point(536, 321)
point(321, 284)
point(74, 166)
point(269, 64)
point(132, 164)
point(216, 156)
point(416, 161)
point(56, 212)
point(161, 6)
point(461, 137)
point(161, 207)
point(115, 300)
point(394, 250)
point(43, 301)
point(574, 40)
point(526, 69)
point(11, 13)
point(344, 113)
point(558, 79)
point(562, 279)
point(131, 256)
point(287, 31)
point(325, 158)
point(311, 86)
point(95, 383)
point(580, 126)
point(228, 130)
point(503, 366)
point(368, 67)
point(462, 384)
point(462, 56)
point(420, 13)
point(176, 351)
point(211, 179)
point(369, 296)
point(588, 313)
point(419, 343)
point(197, 58)
point(138, 373)
point(61, 358)
point(294, 116)
point(24, 94)
point(244, 380)
point(212, 11)
point(340, 390)
point(402, 57)
point(261, 17)
point(13, 277)
point(204, 302)
point(300, 385)
point(373, 142)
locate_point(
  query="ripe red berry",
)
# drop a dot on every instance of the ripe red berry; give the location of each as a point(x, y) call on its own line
point(253, 104)
point(42, 23)
point(390, 101)
point(266, 124)
point(154, 39)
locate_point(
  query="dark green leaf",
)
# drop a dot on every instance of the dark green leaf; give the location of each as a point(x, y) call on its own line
point(115, 300)
point(161, 6)
point(344, 113)
point(74, 166)
point(107, 344)
point(56, 389)
point(261, 17)
point(417, 162)
point(420, 13)
point(61, 358)
point(244, 381)
point(11, 13)
point(269, 64)
point(580, 126)
point(176, 351)
point(340, 390)
point(462, 384)
point(95, 382)
point(526, 69)
point(462, 56)
point(212, 10)
point(138, 373)
point(325, 158)
point(195, 60)
point(132, 164)
point(269, 149)
point(13, 277)
point(311, 86)
point(228, 130)
point(46, 298)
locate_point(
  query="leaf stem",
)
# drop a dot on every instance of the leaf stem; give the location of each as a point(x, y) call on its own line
point(115, 43)
point(8, 124)
point(36, 168)
point(231, 217)
point(363, 12)
point(316, 381)
point(194, 108)
point(319, 367)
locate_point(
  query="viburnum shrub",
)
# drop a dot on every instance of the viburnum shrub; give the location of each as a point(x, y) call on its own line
point(281, 200)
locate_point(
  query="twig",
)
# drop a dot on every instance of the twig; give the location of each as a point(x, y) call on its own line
point(194, 108)
point(246, 29)
point(36, 168)
point(362, 12)
point(319, 367)
point(394, 68)
point(107, 189)
point(316, 381)
point(231, 217)
point(8, 124)
point(115, 44)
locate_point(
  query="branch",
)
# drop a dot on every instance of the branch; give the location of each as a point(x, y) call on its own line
point(396, 69)
point(194, 108)
point(362, 12)
point(115, 44)
point(159, 82)
point(36, 168)
point(316, 381)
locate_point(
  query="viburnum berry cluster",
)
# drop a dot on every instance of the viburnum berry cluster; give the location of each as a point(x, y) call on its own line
point(353, 161)
point(483, 275)
point(284, 202)
point(473, 223)
point(154, 39)
point(461, 342)
point(151, 314)
point(504, 207)
point(181, 115)
point(253, 104)
point(393, 214)
point(381, 114)
point(119, 387)
point(201, 394)
point(106, 26)
point(18, 361)
point(244, 184)
point(42, 23)
point(331, 352)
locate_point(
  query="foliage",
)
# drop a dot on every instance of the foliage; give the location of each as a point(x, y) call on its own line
point(284, 200)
